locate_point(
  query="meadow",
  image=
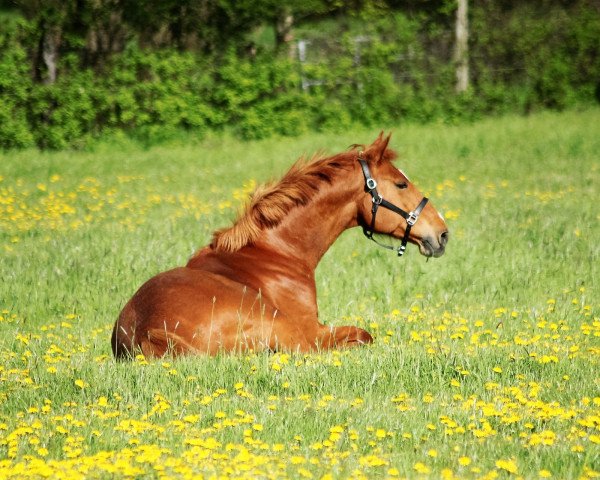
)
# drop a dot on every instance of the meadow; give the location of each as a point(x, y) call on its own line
point(486, 361)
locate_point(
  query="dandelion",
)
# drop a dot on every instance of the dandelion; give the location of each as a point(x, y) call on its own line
point(372, 461)
point(81, 384)
point(305, 473)
point(421, 468)
point(509, 465)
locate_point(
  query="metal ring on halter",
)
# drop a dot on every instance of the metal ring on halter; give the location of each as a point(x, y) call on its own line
point(371, 184)
point(412, 218)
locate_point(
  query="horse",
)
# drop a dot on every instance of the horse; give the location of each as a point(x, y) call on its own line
point(253, 287)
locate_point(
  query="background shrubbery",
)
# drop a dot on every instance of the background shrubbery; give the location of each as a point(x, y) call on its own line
point(372, 64)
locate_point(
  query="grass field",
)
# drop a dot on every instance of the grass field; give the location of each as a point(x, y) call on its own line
point(486, 362)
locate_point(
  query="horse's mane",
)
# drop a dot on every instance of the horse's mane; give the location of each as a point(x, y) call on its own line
point(272, 202)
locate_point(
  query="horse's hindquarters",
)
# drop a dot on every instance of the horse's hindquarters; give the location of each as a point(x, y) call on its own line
point(192, 311)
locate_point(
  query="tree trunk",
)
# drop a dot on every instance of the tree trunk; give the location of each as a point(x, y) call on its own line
point(461, 52)
point(283, 32)
point(50, 55)
point(46, 60)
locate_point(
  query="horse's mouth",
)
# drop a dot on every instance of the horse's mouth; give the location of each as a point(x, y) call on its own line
point(428, 250)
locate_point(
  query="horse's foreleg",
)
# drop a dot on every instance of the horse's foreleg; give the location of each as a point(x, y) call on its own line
point(344, 337)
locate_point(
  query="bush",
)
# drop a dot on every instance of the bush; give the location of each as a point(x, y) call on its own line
point(15, 88)
point(379, 69)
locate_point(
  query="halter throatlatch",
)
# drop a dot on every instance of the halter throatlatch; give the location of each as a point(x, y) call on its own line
point(410, 217)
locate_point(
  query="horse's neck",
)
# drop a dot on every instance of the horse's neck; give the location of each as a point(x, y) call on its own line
point(308, 231)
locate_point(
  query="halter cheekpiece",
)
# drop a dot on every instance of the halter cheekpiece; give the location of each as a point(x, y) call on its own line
point(410, 217)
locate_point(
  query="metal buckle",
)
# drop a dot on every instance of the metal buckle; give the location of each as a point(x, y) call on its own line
point(412, 218)
point(377, 200)
point(371, 184)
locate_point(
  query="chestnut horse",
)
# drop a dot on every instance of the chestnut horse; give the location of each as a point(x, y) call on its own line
point(253, 287)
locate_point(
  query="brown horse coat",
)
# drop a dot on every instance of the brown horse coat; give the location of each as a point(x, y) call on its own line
point(253, 287)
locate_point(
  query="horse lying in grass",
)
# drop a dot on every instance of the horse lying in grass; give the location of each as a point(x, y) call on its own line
point(253, 287)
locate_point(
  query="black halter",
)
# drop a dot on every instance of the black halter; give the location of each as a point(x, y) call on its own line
point(410, 217)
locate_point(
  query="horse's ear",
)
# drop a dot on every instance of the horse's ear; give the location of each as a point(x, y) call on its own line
point(377, 151)
point(384, 144)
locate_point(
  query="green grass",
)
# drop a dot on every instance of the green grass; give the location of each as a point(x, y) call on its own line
point(490, 352)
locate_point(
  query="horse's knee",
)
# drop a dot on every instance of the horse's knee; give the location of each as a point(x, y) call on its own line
point(362, 337)
point(357, 336)
point(348, 336)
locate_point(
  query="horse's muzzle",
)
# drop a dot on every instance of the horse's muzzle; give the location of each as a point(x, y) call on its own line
point(432, 247)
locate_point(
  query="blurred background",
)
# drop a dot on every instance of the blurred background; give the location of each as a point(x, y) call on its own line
point(75, 70)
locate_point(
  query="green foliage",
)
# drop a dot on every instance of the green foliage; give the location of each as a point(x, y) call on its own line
point(260, 97)
point(15, 86)
point(546, 55)
point(375, 67)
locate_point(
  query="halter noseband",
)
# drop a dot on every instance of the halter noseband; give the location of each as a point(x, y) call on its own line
point(410, 217)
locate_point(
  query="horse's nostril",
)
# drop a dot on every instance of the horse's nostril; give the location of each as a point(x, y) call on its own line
point(444, 238)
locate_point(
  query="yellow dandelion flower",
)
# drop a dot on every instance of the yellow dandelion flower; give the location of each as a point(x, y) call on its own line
point(447, 474)
point(509, 465)
point(372, 461)
point(42, 452)
point(305, 473)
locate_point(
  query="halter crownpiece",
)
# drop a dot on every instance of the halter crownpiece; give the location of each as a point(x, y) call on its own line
point(410, 217)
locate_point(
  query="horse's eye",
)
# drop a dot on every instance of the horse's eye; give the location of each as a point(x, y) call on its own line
point(402, 185)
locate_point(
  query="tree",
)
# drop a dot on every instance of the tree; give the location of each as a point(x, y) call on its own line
point(461, 56)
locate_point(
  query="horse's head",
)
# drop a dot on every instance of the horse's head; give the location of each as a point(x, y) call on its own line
point(390, 204)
